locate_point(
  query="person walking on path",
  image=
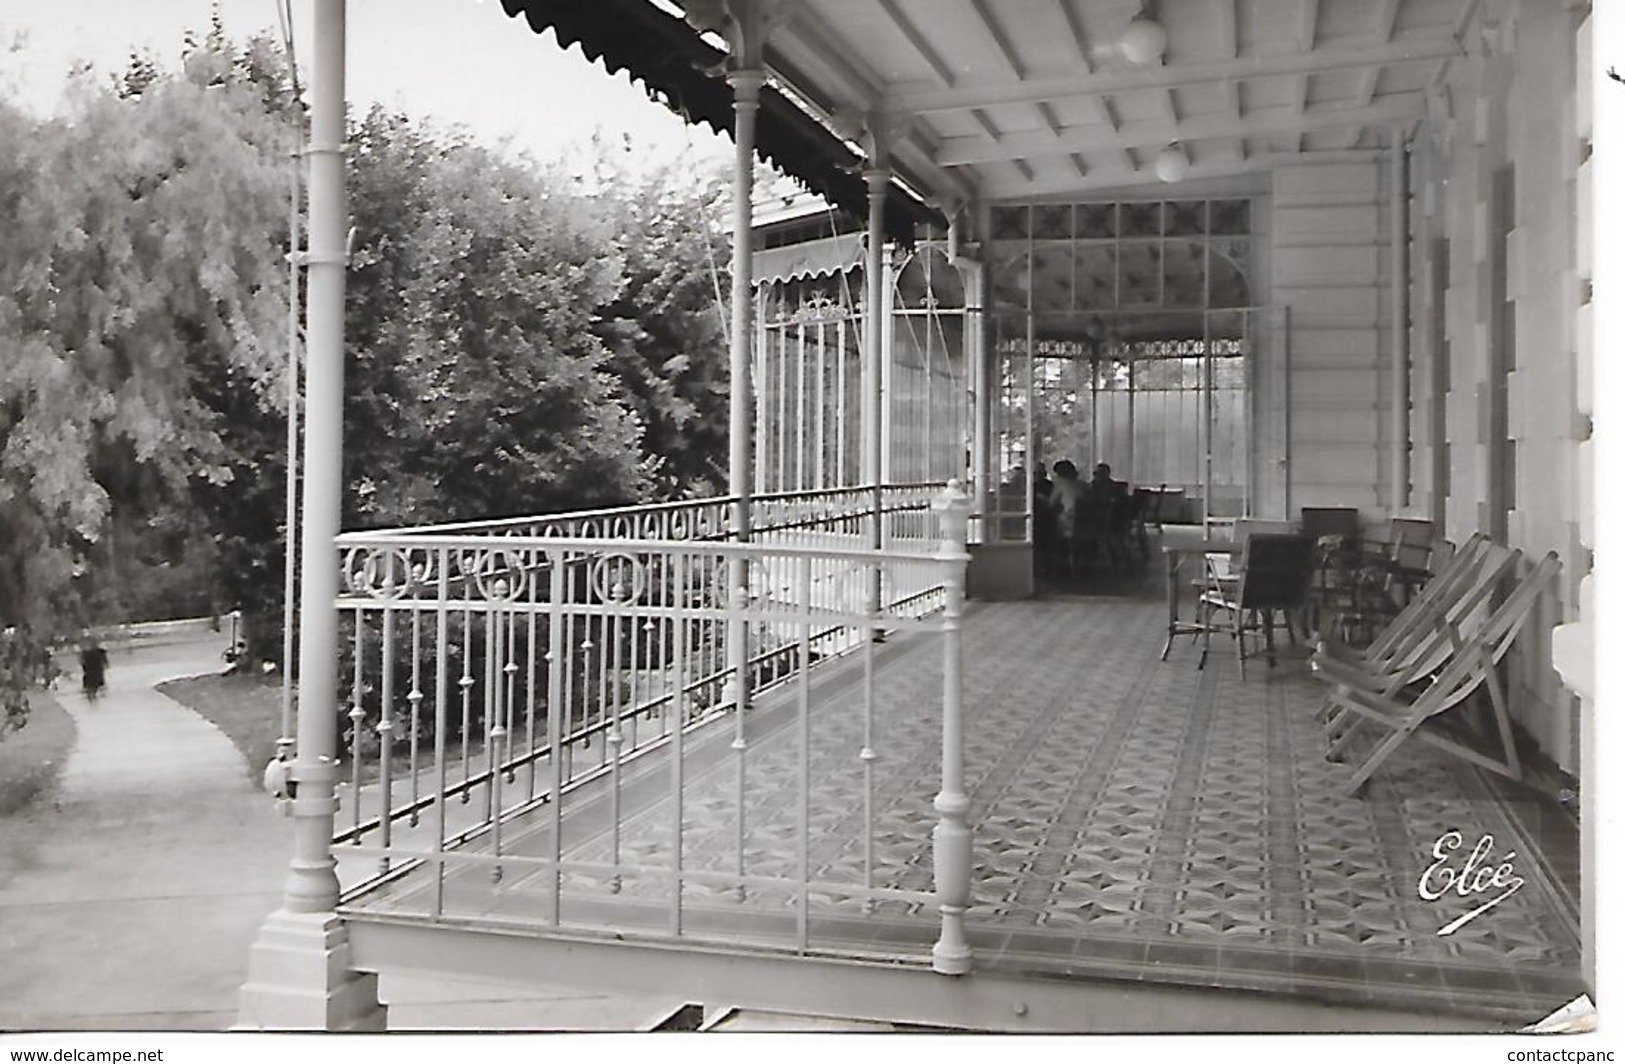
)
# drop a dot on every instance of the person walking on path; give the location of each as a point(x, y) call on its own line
point(93, 668)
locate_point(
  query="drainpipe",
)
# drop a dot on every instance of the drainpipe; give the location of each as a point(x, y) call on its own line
point(290, 563)
point(299, 973)
point(1398, 236)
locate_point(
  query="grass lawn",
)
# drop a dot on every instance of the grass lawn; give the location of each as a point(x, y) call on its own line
point(32, 757)
point(248, 708)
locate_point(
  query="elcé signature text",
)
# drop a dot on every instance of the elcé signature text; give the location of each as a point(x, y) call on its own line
point(1469, 877)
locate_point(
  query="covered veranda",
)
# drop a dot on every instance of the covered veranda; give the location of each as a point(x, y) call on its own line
point(1014, 799)
point(1133, 821)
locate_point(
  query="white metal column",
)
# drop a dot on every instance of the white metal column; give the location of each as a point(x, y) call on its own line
point(747, 89)
point(875, 322)
point(979, 361)
point(299, 975)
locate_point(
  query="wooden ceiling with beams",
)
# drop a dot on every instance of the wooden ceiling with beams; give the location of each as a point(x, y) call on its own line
point(1028, 99)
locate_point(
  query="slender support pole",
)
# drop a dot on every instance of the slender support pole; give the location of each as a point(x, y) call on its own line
point(759, 375)
point(951, 838)
point(1094, 411)
point(290, 562)
point(747, 89)
point(875, 324)
point(1207, 425)
point(1131, 474)
point(1398, 237)
point(1029, 453)
point(746, 82)
point(980, 354)
point(1249, 421)
point(299, 974)
point(1285, 339)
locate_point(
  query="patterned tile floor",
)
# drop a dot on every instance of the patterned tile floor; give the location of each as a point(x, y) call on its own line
point(1133, 819)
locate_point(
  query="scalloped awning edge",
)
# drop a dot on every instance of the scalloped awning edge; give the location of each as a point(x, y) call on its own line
point(672, 61)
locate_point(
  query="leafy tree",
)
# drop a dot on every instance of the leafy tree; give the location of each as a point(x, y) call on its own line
point(142, 257)
point(478, 387)
point(665, 328)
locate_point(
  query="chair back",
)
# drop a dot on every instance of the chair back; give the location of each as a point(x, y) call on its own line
point(1471, 663)
point(1275, 571)
point(1410, 542)
point(1453, 617)
point(1464, 568)
point(1318, 521)
point(1247, 527)
point(1171, 506)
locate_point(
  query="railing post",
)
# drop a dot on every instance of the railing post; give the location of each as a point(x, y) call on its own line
point(951, 839)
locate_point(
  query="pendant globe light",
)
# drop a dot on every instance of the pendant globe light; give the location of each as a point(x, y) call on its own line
point(1171, 164)
point(1143, 41)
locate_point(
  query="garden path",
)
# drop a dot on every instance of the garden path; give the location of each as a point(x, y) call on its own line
point(135, 892)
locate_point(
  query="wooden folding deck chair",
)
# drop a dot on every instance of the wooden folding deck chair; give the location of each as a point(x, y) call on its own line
point(1421, 637)
point(1407, 709)
point(1421, 640)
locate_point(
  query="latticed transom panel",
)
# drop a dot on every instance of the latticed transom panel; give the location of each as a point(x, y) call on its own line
point(1182, 254)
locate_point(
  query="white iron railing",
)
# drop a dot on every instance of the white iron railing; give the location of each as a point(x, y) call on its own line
point(904, 509)
point(889, 517)
point(503, 679)
point(691, 519)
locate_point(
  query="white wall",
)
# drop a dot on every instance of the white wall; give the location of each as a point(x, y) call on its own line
point(1330, 264)
point(1509, 108)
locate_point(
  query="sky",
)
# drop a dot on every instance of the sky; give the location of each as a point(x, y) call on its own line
point(458, 62)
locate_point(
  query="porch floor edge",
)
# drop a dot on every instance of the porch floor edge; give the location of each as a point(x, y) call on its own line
point(892, 990)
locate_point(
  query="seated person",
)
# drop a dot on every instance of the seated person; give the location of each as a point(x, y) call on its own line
point(1067, 496)
point(1118, 508)
point(1043, 518)
point(1103, 487)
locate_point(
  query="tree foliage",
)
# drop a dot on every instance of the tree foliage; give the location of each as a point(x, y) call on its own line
point(479, 386)
point(517, 340)
point(665, 329)
point(141, 262)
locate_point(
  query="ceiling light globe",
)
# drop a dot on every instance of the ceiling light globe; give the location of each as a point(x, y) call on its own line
point(1172, 164)
point(1143, 42)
